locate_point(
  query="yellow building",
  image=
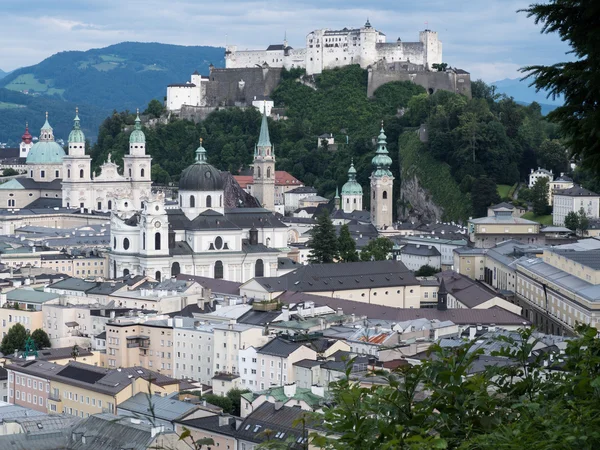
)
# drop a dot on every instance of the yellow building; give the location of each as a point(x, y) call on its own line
point(485, 232)
point(81, 389)
point(23, 306)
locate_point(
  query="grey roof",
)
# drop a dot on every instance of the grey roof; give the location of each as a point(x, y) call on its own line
point(51, 354)
point(166, 408)
point(328, 277)
point(101, 336)
point(217, 286)
point(12, 411)
point(468, 292)
point(258, 318)
point(307, 363)
point(589, 258)
point(419, 250)
point(279, 419)
point(279, 347)
point(576, 191)
point(302, 190)
point(31, 184)
point(503, 205)
point(30, 296)
point(74, 284)
point(286, 263)
point(212, 424)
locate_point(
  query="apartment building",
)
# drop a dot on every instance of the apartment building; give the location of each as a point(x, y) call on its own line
point(81, 389)
point(573, 200)
point(229, 339)
point(193, 352)
point(76, 266)
point(486, 232)
point(23, 306)
point(276, 359)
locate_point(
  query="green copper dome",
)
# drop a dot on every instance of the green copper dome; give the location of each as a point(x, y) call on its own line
point(46, 151)
point(137, 135)
point(352, 187)
point(382, 161)
point(76, 135)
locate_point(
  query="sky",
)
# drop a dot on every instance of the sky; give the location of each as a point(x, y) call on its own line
point(487, 37)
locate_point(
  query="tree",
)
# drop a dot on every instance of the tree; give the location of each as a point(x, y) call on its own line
point(14, 339)
point(577, 22)
point(539, 196)
point(324, 243)
point(426, 271)
point(553, 156)
point(41, 339)
point(583, 222)
point(9, 172)
point(221, 402)
point(346, 245)
point(572, 221)
point(377, 249)
point(155, 108)
point(483, 194)
point(235, 395)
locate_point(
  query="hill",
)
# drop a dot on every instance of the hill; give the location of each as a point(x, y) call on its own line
point(3, 74)
point(124, 76)
point(523, 93)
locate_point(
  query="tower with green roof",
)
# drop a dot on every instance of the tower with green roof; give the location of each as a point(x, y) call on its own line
point(137, 165)
point(382, 184)
point(352, 193)
point(263, 186)
point(45, 159)
point(77, 170)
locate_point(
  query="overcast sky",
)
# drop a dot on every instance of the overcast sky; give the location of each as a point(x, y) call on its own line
point(486, 37)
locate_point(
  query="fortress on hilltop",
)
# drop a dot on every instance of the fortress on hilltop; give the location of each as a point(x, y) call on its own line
point(328, 49)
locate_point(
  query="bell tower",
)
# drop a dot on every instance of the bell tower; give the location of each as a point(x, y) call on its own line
point(137, 165)
point(263, 186)
point(77, 176)
point(382, 184)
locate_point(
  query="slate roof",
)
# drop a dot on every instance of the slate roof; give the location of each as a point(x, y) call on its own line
point(332, 277)
point(217, 286)
point(279, 347)
point(30, 296)
point(281, 420)
point(420, 250)
point(52, 354)
point(589, 258)
point(576, 191)
point(302, 190)
point(73, 284)
point(258, 318)
point(307, 363)
point(468, 292)
point(166, 408)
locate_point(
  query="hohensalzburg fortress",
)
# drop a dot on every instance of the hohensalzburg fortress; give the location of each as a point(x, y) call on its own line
point(327, 49)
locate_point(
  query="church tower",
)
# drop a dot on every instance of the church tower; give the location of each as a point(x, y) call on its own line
point(137, 165)
point(263, 187)
point(382, 184)
point(77, 179)
point(352, 193)
point(25, 144)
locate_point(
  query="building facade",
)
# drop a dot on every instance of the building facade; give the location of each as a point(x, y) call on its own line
point(382, 185)
point(574, 200)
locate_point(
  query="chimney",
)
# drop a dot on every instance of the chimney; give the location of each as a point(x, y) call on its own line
point(156, 430)
point(289, 390)
point(231, 324)
point(317, 390)
point(223, 420)
point(340, 312)
point(285, 313)
point(253, 236)
point(278, 406)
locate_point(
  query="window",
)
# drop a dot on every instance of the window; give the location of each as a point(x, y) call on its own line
point(384, 195)
point(259, 268)
point(192, 201)
point(125, 244)
point(175, 269)
point(218, 270)
point(42, 174)
point(268, 172)
point(208, 201)
point(56, 174)
point(219, 243)
point(142, 172)
point(156, 241)
point(81, 173)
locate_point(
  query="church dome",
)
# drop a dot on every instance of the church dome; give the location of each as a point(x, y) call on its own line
point(76, 135)
point(137, 136)
point(46, 151)
point(27, 137)
point(201, 176)
point(352, 187)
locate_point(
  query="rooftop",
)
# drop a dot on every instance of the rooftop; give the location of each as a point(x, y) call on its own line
point(166, 408)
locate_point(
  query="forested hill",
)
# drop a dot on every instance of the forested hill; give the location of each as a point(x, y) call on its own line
point(2, 74)
point(476, 143)
point(119, 77)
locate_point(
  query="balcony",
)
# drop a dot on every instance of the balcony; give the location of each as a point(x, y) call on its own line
point(54, 398)
point(138, 341)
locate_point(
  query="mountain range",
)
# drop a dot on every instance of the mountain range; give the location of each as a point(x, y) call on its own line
point(3, 73)
point(120, 77)
point(525, 94)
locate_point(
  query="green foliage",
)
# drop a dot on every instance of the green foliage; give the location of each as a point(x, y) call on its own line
point(426, 271)
point(14, 339)
point(434, 176)
point(483, 194)
point(221, 402)
point(572, 220)
point(155, 108)
point(577, 22)
point(9, 172)
point(323, 243)
point(235, 396)
point(378, 249)
point(583, 222)
point(546, 219)
point(41, 339)
point(539, 197)
point(346, 245)
point(516, 406)
point(552, 155)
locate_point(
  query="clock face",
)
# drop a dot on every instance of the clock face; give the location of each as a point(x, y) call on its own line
point(385, 179)
point(157, 224)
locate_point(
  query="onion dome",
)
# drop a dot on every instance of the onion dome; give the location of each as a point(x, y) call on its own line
point(27, 137)
point(76, 135)
point(46, 151)
point(201, 176)
point(352, 187)
point(137, 136)
point(382, 161)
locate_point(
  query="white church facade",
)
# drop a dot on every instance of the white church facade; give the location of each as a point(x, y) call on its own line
point(328, 49)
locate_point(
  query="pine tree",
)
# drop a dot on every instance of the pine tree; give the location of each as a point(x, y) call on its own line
point(346, 245)
point(324, 243)
point(539, 196)
point(583, 222)
point(14, 339)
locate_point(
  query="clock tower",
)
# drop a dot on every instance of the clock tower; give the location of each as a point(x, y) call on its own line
point(382, 185)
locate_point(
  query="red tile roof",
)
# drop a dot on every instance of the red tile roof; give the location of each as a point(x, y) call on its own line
point(282, 178)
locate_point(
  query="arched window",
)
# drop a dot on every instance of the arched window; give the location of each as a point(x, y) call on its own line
point(115, 244)
point(180, 200)
point(144, 240)
point(220, 200)
point(80, 173)
point(373, 194)
point(157, 276)
point(156, 241)
point(355, 201)
point(142, 173)
point(268, 172)
point(68, 173)
point(130, 172)
point(125, 272)
point(114, 269)
point(384, 195)
point(257, 172)
point(110, 204)
point(259, 268)
point(175, 269)
point(218, 269)
point(56, 174)
point(347, 201)
point(208, 201)
point(192, 201)
point(125, 244)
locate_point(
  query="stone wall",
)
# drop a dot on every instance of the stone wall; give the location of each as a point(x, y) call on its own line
point(452, 80)
point(236, 87)
point(421, 203)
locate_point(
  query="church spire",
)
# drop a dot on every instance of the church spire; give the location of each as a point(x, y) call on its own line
point(76, 135)
point(263, 138)
point(137, 136)
point(382, 161)
point(201, 154)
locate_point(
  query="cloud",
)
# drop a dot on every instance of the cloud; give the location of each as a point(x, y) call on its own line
point(488, 38)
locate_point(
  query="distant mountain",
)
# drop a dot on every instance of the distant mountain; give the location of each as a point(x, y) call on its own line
point(522, 92)
point(122, 76)
point(3, 73)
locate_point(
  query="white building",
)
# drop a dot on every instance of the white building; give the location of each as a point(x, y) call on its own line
point(229, 340)
point(415, 256)
point(327, 49)
point(192, 93)
point(249, 368)
point(574, 199)
point(538, 174)
point(193, 350)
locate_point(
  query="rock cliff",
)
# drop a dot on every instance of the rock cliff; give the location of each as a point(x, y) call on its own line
point(417, 202)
